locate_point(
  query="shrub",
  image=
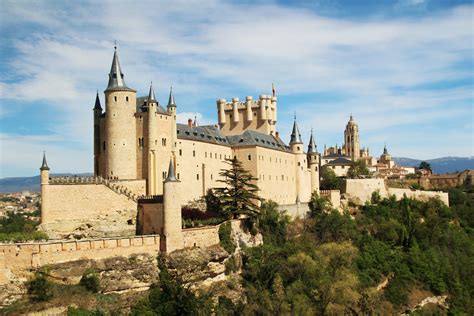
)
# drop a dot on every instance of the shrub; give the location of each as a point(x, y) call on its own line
point(225, 239)
point(90, 280)
point(231, 265)
point(40, 288)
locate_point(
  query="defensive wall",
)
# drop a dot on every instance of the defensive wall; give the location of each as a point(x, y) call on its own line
point(360, 191)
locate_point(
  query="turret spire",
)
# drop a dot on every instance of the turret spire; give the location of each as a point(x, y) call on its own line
point(171, 98)
point(97, 105)
point(312, 148)
point(151, 93)
point(44, 165)
point(385, 150)
point(195, 124)
point(171, 177)
point(295, 134)
point(116, 76)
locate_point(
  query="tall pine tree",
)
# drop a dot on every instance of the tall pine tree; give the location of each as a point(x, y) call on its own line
point(239, 196)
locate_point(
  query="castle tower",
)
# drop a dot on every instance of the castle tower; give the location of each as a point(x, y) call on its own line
point(296, 146)
point(45, 199)
point(152, 145)
point(120, 145)
point(313, 163)
point(97, 114)
point(351, 140)
point(171, 108)
point(172, 223)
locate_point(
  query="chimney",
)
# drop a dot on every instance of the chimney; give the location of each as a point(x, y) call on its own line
point(190, 122)
point(277, 135)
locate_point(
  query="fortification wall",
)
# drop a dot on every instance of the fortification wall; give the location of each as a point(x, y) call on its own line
point(419, 195)
point(295, 210)
point(334, 197)
point(23, 256)
point(201, 236)
point(89, 209)
point(360, 190)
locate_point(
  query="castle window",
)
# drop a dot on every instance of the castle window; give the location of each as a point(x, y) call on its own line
point(177, 175)
point(315, 168)
point(115, 99)
point(215, 155)
point(220, 156)
point(163, 174)
point(103, 146)
point(282, 177)
point(197, 176)
point(250, 157)
point(194, 153)
point(299, 164)
point(156, 142)
point(180, 152)
point(126, 99)
point(297, 147)
point(334, 167)
point(205, 154)
point(211, 176)
point(163, 141)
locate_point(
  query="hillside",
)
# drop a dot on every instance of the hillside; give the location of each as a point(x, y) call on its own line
point(440, 165)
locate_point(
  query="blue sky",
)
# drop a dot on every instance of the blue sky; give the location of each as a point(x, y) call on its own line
point(403, 68)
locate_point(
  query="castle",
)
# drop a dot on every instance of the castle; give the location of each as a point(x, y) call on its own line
point(146, 165)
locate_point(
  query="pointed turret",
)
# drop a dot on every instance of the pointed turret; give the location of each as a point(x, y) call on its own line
point(312, 148)
point(171, 102)
point(195, 123)
point(171, 176)
point(295, 134)
point(44, 165)
point(116, 80)
point(151, 94)
point(97, 105)
point(385, 151)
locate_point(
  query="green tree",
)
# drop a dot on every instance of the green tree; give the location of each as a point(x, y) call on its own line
point(90, 280)
point(424, 165)
point(357, 170)
point(40, 288)
point(329, 179)
point(239, 196)
point(273, 223)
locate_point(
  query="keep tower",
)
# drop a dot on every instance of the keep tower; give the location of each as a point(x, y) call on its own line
point(119, 147)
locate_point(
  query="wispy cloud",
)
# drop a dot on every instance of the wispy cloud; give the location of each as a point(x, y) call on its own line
point(391, 72)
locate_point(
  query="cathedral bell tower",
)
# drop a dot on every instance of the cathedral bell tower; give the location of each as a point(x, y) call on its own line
point(351, 140)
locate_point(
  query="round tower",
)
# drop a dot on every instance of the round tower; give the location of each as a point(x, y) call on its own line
point(296, 146)
point(120, 147)
point(45, 200)
point(97, 139)
point(152, 141)
point(172, 223)
point(313, 163)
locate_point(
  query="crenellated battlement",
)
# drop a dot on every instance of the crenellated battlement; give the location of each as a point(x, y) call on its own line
point(237, 116)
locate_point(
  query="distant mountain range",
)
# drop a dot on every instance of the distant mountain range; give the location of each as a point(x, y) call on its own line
point(28, 183)
point(439, 165)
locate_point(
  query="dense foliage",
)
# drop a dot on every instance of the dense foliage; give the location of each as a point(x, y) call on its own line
point(329, 180)
point(18, 227)
point(90, 280)
point(409, 243)
point(357, 170)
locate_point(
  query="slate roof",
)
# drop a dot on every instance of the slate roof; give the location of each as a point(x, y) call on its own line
point(253, 138)
point(335, 156)
point(208, 134)
point(142, 106)
point(340, 162)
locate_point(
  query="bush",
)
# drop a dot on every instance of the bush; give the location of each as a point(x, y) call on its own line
point(23, 237)
point(225, 240)
point(79, 311)
point(90, 280)
point(231, 265)
point(40, 288)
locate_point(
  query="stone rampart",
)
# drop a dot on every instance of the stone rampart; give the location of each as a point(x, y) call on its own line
point(21, 257)
point(419, 194)
point(295, 210)
point(201, 236)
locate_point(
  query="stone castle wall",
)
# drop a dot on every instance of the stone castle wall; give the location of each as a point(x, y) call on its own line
point(24, 256)
point(201, 236)
point(360, 191)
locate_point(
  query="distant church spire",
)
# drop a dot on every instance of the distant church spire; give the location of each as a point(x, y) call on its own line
point(385, 150)
point(116, 76)
point(312, 148)
point(171, 98)
point(295, 134)
point(44, 165)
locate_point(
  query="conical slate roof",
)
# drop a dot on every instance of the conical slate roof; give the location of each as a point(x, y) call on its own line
point(116, 80)
point(171, 98)
point(44, 165)
point(151, 94)
point(171, 177)
point(97, 105)
point(312, 148)
point(295, 135)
